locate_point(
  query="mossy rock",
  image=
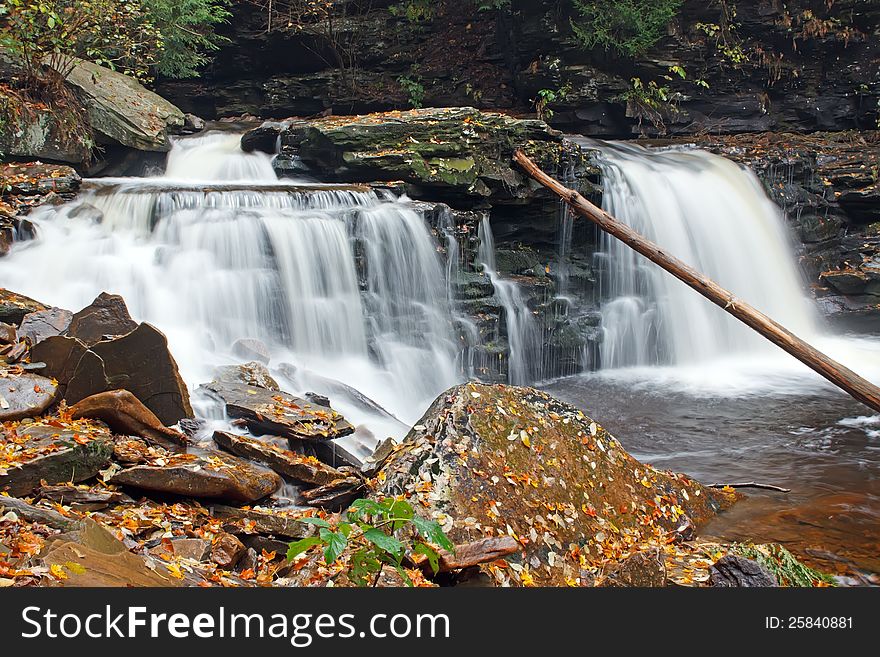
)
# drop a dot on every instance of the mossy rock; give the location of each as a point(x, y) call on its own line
point(493, 460)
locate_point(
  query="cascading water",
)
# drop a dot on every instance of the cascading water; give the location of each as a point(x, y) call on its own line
point(218, 249)
point(714, 215)
point(523, 332)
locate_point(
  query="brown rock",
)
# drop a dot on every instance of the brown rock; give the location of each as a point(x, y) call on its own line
point(13, 306)
point(227, 550)
point(212, 475)
point(79, 495)
point(93, 557)
point(49, 451)
point(38, 326)
point(300, 468)
point(540, 469)
point(735, 571)
point(8, 334)
point(251, 521)
point(125, 414)
point(183, 548)
point(25, 395)
point(141, 363)
point(471, 554)
point(106, 316)
point(336, 495)
point(641, 570)
point(279, 413)
point(138, 362)
point(252, 374)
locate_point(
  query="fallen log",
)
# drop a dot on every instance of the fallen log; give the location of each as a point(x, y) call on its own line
point(841, 376)
point(752, 484)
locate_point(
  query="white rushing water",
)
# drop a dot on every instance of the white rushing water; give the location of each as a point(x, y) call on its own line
point(714, 215)
point(523, 331)
point(209, 264)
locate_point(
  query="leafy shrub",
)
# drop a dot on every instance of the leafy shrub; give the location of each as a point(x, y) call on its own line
point(187, 30)
point(373, 533)
point(629, 27)
point(414, 89)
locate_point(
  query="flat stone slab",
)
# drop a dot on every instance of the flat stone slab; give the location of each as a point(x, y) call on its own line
point(253, 521)
point(42, 324)
point(14, 306)
point(211, 475)
point(279, 413)
point(25, 395)
point(304, 469)
point(51, 450)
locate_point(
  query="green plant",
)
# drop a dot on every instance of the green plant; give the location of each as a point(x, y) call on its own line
point(414, 90)
point(630, 27)
point(547, 96)
point(187, 31)
point(784, 565)
point(375, 534)
point(414, 11)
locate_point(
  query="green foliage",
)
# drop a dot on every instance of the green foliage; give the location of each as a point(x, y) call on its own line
point(136, 37)
point(630, 27)
point(113, 33)
point(784, 565)
point(492, 5)
point(414, 89)
point(376, 534)
point(547, 96)
point(414, 11)
point(187, 30)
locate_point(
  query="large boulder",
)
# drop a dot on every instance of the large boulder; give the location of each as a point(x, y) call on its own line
point(42, 324)
point(121, 110)
point(496, 460)
point(39, 133)
point(139, 362)
point(458, 153)
point(106, 316)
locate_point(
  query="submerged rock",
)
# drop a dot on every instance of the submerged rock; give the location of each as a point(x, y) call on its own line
point(249, 348)
point(211, 475)
point(497, 460)
point(252, 374)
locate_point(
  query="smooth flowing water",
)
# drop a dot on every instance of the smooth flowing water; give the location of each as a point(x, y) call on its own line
point(217, 249)
point(523, 331)
point(685, 386)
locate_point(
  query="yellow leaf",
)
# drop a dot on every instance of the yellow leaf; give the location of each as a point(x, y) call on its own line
point(174, 569)
point(57, 571)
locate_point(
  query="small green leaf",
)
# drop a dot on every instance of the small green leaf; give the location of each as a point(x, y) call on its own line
point(335, 542)
point(384, 542)
point(433, 533)
point(430, 553)
point(298, 547)
point(318, 522)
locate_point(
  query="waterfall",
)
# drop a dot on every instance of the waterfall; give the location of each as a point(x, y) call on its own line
point(523, 331)
point(714, 215)
point(341, 283)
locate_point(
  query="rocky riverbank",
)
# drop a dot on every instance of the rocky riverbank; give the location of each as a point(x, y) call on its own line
point(98, 490)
